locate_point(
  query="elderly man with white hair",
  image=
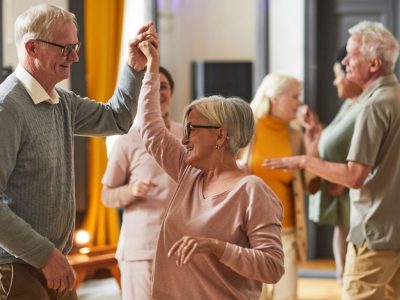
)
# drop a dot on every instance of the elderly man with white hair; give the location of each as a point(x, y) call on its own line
point(372, 170)
point(38, 122)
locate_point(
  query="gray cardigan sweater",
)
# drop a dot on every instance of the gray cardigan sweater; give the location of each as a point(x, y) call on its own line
point(36, 163)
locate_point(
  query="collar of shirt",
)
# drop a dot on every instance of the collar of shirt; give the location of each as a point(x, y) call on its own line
point(34, 89)
point(390, 79)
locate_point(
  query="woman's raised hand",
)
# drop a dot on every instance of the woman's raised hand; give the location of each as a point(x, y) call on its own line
point(136, 59)
point(149, 49)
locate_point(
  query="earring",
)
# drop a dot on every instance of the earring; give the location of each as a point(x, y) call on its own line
point(217, 147)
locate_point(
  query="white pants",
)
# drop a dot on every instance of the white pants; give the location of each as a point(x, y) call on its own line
point(136, 279)
point(286, 288)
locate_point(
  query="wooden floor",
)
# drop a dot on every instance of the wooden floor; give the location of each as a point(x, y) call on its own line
point(308, 288)
point(318, 288)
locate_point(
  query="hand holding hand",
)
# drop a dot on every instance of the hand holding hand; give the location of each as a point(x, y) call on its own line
point(150, 51)
point(286, 163)
point(58, 272)
point(185, 248)
point(140, 188)
point(136, 59)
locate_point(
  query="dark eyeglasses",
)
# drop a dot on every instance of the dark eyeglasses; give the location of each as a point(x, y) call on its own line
point(189, 127)
point(66, 49)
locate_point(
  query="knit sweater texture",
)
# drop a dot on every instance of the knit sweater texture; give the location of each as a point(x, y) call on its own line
point(36, 163)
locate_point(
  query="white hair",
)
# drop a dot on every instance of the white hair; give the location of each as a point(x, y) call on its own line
point(377, 41)
point(37, 22)
point(273, 85)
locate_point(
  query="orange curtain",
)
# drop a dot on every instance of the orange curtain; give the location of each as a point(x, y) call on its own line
point(103, 27)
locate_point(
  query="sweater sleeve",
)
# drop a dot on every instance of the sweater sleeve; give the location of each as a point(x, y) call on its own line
point(116, 191)
point(160, 143)
point(263, 259)
point(17, 237)
point(114, 117)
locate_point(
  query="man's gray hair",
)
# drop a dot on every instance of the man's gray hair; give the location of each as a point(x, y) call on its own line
point(377, 41)
point(37, 22)
point(233, 113)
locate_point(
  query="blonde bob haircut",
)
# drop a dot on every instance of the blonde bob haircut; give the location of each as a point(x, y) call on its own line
point(233, 113)
point(273, 85)
point(37, 22)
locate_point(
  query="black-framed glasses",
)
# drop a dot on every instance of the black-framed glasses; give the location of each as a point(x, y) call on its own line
point(66, 49)
point(189, 127)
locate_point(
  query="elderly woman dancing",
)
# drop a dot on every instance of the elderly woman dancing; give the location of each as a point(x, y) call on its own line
point(221, 234)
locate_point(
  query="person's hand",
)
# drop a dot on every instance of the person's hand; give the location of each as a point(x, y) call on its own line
point(286, 163)
point(188, 246)
point(307, 117)
point(313, 129)
point(136, 59)
point(335, 190)
point(140, 188)
point(58, 272)
point(150, 51)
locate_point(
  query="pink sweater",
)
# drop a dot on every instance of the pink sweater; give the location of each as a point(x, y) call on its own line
point(247, 217)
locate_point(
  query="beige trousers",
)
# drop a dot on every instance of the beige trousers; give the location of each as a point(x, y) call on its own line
point(371, 274)
point(24, 282)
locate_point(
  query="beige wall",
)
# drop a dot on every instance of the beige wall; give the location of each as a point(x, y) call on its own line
point(203, 30)
point(286, 34)
point(226, 30)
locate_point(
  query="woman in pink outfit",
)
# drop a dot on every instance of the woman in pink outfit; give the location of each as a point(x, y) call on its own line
point(221, 233)
point(135, 182)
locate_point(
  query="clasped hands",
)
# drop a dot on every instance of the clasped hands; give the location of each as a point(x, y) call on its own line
point(146, 35)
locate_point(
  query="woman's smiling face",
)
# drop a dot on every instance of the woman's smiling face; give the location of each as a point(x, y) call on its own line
point(201, 141)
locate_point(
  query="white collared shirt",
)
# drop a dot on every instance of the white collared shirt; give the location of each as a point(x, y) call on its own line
point(34, 89)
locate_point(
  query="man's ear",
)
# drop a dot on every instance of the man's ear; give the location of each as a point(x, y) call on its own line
point(376, 64)
point(31, 47)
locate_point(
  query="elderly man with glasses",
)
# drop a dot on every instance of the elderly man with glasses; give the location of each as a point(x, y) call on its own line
point(38, 122)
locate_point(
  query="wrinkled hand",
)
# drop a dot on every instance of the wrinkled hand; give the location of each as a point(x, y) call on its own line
point(149, 50)
point(136, 59)
point(58, 272)
point(140, 188)
point(286, 163)
point(335, 190)
point(188, 246)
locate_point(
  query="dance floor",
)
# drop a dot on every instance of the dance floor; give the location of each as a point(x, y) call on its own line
point(310, 287)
